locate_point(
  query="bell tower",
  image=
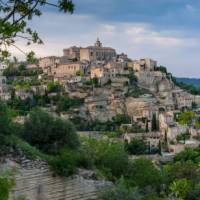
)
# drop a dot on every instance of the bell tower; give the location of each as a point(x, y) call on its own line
point(98, 43)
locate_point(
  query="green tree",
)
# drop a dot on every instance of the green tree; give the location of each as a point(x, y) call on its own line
point(109, 158)
point(48, 133)
point(120, 191)
point(137, 147)
point(186, 118)
point(180, 188)
point(5, 120)
point(54, 87)
point(154, 126)
point(143, 173)
point(14, 21)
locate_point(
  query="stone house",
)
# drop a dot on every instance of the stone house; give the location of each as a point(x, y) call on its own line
point(174, 130)
point(101, 73)
point(182, 99)
point(70, 68)
point(72, 52)
point(48, 63)
point(144, 64)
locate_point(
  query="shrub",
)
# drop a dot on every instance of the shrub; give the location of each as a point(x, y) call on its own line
point(143, 173)
point(49, 134)
point(64, 103)
point(6, 183)
point(65, 163)
point(109, 158)
point(54, 87)
point(137, 147)
point(120, 191)
point(5, 119)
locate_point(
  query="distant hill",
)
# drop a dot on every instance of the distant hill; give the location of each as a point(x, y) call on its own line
point(191, 81)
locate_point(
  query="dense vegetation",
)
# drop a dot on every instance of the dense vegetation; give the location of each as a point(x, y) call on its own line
point(191, 88)
point(191, 81)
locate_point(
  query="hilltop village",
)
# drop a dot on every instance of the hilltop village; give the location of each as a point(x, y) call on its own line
point(92, 119)
point(95, 87)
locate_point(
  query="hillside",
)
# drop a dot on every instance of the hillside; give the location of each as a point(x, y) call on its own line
point(192, 81)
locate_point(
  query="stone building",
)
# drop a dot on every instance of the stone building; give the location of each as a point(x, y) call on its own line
point(182, 99)
point(72, 52)
point(140, 108)
point(97, 53)
point(101, 73)
point(48, 63)
point(144, 64)
point(70, 68)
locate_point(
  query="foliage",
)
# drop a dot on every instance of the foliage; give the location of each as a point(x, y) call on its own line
point(21, 106)
point(14, 19)
point(188, 154)
point(161, 69)
point(111, 125)
point(7, 181)
point(132, 77)
point(54, 87)
point(65, 163)
point(183, 136)
point(108, 157)
point(180, 188)
point(187, 86)
point(120, 191)
point(64, 103)
point(5, 120)
point(143, 173)
point(137, 147)
point(20, 70)
point(49, 134)
point(155, 124)
point(186, 118)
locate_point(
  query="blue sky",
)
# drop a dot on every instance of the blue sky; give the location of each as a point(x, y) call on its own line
point(166, 30)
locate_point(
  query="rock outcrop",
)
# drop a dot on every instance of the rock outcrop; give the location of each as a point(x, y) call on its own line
point(34, 181)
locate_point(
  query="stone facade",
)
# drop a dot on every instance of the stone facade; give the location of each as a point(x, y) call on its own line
point(72, 53)
point(144, 64)
point(70, 68)
point(47, 63)
point(182, 99)
point(101, 73)
point(97, 53)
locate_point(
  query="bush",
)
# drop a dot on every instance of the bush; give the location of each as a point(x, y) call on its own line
point(65, 163)
point(49, 134)
point(64, 103)
point(5, 119)
point(143, 174)
point(110, 159)
point(54, 87)
point(6, 183)
point(137, 147)
point(120, 191)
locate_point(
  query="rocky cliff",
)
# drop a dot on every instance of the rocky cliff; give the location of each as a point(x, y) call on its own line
point(34, 181)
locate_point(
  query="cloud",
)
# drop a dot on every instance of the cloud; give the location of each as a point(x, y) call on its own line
point(172, 47)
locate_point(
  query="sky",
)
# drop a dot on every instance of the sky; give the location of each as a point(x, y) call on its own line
point(165, 30)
